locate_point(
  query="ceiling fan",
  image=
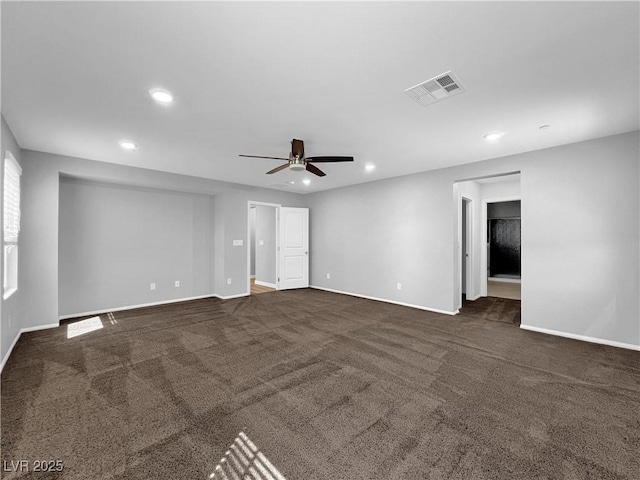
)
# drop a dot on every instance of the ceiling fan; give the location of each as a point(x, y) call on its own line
point(297, 161)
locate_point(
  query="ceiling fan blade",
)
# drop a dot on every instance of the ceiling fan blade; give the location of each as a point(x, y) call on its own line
point(297, 148)
point(277, 169)
point(315, 170)
point(329, 159)
point(259, 156)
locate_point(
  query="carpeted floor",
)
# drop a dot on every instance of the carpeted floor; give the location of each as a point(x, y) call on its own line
point(493, 308)
point(309, 385)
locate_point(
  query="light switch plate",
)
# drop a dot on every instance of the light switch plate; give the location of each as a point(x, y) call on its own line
point(238, 243)
point(261, 242)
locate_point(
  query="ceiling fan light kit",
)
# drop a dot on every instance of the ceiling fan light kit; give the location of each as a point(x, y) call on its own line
point(297, 164)
point(297, 161)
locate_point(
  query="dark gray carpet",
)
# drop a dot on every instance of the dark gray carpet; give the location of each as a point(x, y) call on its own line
point(493, 308)
point(315, 385)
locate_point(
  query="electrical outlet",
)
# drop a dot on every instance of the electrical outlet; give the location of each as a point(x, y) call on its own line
point(177, 283)
point(229, 281)
point(152, 286)
point(328, 276)
point(399, 286)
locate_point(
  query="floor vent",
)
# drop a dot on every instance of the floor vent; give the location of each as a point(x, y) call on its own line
point(435, 89)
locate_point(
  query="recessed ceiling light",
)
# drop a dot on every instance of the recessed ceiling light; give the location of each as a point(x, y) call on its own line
point(127, 145)
point(292, 182)
point(543, 127)
point(369, 167)
point(493, 136)
point(161, 96)
point(306, 181)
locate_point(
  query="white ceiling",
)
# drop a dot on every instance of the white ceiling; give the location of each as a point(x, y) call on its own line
point(249, 77)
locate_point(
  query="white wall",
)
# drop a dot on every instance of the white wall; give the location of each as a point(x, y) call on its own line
point(116, 240)
point(265, 245)
point(510, 189)
point(373, 235)
point(370, 237)
point(579, 247)
point(9, 308)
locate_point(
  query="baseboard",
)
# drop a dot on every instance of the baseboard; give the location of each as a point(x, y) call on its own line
point(583, 338)
point(6, 355)
point(265, 284)
point(229, 297)
point(133, 307)
point(504, 280)
point(419, 307)
point(20, 332)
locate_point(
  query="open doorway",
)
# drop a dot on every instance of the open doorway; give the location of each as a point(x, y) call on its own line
point(503, 249)
point(487, 271)
point(263, 244)
point(486, 206)
point(278, 247)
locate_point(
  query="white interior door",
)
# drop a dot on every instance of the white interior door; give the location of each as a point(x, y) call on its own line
point(294, 248)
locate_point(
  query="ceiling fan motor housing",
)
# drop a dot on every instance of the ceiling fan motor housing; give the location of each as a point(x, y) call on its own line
point(297, 164)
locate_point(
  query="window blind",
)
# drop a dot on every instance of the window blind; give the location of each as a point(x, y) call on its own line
point(11, 214)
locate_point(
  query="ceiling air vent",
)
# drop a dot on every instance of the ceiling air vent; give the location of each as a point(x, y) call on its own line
point(435, 89)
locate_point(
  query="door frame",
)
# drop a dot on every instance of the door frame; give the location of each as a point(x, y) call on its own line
point(470, 273)
point(468, 241)
point(277, 206)
point(483, 237)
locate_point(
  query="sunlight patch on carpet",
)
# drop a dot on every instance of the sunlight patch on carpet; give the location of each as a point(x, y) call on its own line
point(243, 460)
point(84, 326)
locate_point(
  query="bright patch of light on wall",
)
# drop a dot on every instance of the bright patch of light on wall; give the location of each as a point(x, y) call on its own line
point(493, 136)
point(161, 96)
point(128, 145)
point(84, 326)
point(306, 181)
point(369, 167)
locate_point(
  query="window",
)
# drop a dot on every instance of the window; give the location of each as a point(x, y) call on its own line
point(11, 223)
